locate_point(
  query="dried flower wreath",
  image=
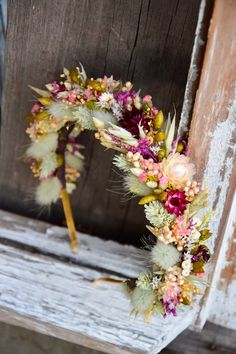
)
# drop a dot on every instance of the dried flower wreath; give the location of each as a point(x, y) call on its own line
point(155, 167)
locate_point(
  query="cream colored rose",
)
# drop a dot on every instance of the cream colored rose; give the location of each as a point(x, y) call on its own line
point(177, 169)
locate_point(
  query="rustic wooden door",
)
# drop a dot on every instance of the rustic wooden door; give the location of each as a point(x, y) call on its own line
point(151, 43)
point(148, 42)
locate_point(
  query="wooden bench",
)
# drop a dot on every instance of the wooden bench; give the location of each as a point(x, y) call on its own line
point(47, 288)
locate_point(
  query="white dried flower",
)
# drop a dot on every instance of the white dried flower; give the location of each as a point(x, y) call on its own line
point(105, 100)
point(155, 282)
point(116, 109)
point(165, 256)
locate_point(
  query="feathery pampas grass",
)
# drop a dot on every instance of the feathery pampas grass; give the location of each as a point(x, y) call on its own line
point(85, 117)
point(121, 162)
point(133, 185)
point(165, 256)
point(48, 191)
point(48, 164)
point(61, 110)
point(43, 146)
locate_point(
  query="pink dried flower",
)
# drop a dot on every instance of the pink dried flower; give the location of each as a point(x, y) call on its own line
point(143, 177)
point(171, 292)
point(147, 98)
point(175, 202)
point(36, 107)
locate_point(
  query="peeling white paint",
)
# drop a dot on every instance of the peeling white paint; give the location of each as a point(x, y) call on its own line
point(223, 312)
point(222, 143)
point(217, 174)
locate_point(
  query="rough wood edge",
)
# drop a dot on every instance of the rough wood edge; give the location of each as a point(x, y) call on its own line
point(199, 46)
point(216, 292)
point(211, 141)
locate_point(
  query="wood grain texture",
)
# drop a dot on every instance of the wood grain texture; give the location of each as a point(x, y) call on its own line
point(46, 239)
point(149, 42)
point(49, 295)
point(212, 148)
point(213, 339)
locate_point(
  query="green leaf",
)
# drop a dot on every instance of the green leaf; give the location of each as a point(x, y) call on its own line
point(206, 219)
point(205, 234)
point(198, 267)
point(198, 203)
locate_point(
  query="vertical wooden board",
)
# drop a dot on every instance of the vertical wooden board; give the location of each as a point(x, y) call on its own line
point(223, 312)
point(149, 42)
point(212, 147)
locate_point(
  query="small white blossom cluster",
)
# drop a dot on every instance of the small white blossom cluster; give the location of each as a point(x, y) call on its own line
point(107, 101)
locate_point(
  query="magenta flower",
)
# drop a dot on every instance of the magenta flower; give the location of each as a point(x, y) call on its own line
point(126, 97)
point(175, 202)
point(170, 308)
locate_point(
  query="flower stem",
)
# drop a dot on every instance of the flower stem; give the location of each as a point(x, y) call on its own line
point(69, 219)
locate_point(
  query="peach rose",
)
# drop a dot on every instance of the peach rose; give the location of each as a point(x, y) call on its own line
point(177, 169)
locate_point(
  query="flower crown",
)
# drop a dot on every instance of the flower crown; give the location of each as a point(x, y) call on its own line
point(155, 166)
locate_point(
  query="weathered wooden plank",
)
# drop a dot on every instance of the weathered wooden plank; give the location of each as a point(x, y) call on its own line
point(149, 42)
point(195, 67)
point(213, 338)
point(212, 147)
point(3, 17)
point(51, 296)
point(223, 312)
point(52, 240)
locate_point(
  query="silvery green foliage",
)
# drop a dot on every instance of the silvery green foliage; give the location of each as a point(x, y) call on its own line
point(85, 117)
point(133, 185)
point(142, 300)
point(157, 215)
point(144, 280)
point(61, 110)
